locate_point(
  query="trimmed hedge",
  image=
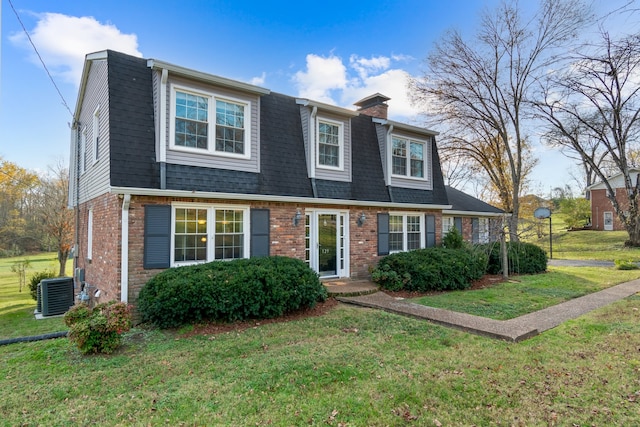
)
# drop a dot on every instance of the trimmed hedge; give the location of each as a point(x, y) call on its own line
point(524, 258)
point(255, 288)
point(432, 269)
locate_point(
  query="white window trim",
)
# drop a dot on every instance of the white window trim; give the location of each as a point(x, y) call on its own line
point(211, 133)
point(425, 158)
point(341, 139)
point(83, 150)
point(90, 234)
point(210, 229)
point(405, 231)
point(449, 222)
point(95, 136)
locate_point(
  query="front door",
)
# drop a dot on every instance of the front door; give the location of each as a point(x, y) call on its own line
point(327, 243)
point(608, 221)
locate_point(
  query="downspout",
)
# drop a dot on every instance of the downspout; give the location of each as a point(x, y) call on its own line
point(77, 203)
point(312, 150)
point(162, 137)
point(388, 158)
point(124, 251)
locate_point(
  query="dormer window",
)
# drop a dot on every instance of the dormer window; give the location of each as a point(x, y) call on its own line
point(194, 128)
point(330, 144)
point(408, 157)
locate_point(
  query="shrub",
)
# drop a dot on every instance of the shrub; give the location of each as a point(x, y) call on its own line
point(37, 278)
point(255, 288)
point(623, 264)
point(98, 330)
point(524, 258)
point(453, 239)
point(430, 269)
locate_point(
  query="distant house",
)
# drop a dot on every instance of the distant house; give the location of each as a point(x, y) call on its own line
point(172, 166)
point(479, 222)
point(603, 216)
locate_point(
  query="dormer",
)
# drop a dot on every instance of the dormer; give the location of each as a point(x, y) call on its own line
point(205, 120)
point(406, 153)
point(326, 132)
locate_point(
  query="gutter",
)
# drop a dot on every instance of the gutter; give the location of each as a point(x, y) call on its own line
point(133, 191)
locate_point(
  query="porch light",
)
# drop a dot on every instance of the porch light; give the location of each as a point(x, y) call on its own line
point(361, 219)
point(297, 217)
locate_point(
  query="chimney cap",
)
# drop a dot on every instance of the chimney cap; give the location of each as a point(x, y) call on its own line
point(369, 101)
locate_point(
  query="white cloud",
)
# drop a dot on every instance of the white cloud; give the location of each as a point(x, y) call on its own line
point(63, 41)
point(329, 80)
point(259, 81)
point(322, 76)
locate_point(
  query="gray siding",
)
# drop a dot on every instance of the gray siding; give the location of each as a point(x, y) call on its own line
point(338, 175)
point(95, 179)
point(305, 117)
point(156, 79)
point(209, 160)
point(415, 184)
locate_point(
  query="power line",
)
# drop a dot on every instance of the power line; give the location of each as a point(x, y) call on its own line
point(40, 58)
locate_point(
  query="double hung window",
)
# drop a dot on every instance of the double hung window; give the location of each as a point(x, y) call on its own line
point(204, 233)
point(408, 157)
point(405, 232)
point(207, 123)
point(329, 144)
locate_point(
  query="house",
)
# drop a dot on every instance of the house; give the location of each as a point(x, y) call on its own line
point(603, 216)
point(477, 221)
point(172, 166)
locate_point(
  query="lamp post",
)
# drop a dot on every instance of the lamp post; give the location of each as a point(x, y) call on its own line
point(543, 213)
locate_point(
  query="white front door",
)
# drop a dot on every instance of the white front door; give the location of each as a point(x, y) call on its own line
point(608, 221)
point(327, 243)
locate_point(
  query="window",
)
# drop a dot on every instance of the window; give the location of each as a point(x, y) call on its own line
point(405, 232)
point(83, 150)
point(95, 137)
point(90, 234)
point(330, 144)
point(408, 157)
point(194, 128)
point(447, 224)
point(483, 230)
point(204, 233)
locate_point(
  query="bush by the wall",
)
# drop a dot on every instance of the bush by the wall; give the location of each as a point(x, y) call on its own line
point(37, 278)
point(255, 288)
point(524, 258)
point(453, 239)
point(430, 269)
point(98, 329)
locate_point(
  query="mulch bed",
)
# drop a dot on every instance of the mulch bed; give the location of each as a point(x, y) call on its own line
point(215, 328)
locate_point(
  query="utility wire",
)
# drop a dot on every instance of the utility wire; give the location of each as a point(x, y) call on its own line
point(40, 58)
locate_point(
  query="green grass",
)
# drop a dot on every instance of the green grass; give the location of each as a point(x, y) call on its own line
point(16, 308)
point(587, 244)
point(525, 294)
point(350, 367)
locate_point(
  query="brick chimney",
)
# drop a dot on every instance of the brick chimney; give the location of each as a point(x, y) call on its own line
point(374, 106)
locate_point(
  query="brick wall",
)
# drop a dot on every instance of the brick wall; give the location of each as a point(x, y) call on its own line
point(103, 270)
point(600, 204)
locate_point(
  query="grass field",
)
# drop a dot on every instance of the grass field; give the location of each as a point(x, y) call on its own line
point(350, 367)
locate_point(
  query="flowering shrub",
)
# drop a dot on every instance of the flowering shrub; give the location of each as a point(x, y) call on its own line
point(98, 330)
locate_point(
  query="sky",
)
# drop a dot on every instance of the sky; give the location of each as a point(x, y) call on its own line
point(336, 52)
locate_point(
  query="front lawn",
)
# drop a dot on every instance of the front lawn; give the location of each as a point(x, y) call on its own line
point(525, 294)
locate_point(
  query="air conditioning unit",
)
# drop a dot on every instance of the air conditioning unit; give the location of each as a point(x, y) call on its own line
point(56, 296)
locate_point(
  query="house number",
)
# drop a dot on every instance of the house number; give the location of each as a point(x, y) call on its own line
point(325, 251)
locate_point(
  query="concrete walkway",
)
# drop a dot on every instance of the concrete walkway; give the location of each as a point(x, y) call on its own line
point(517, 329)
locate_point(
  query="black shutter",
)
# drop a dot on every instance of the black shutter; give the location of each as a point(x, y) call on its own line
point(383, 234)
point(430, 230)
point(157, 236)
point(457, 223)
point(259, 232)
point(475, 230)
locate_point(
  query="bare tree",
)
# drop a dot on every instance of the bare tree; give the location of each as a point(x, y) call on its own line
point(601, 92)
point(56, 219)
point(478, 89)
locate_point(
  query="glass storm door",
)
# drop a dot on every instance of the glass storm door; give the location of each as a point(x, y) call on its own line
point(608, 221)
point(327, 244)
